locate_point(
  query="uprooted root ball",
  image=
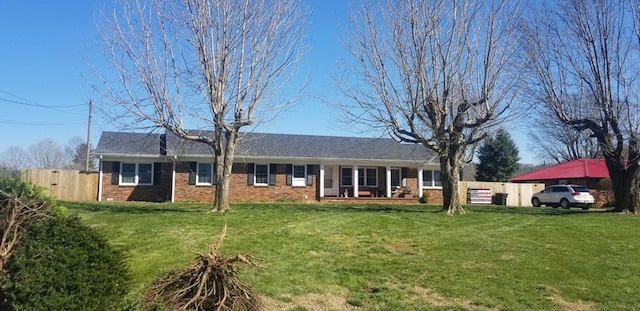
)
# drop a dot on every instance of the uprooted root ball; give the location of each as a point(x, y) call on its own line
point(209, 284)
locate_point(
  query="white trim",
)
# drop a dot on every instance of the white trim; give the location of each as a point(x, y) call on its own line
point(420, 183)
point(355, 181)
point(136, 177)
point(388, 175)
point(100, 174)
point(433, 180)
point(173, 182)
point(300, 181)
point(198, 183)
point(321, 181)
point(255, 175)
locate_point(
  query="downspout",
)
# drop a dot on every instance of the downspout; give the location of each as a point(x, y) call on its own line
point(100, 179)
point(173, 179)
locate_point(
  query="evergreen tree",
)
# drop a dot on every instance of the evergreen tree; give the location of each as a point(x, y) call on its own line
point(498, 158)
point(80, 156)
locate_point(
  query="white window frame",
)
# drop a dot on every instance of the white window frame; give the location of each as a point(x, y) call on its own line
point(365, 176)
point(136, 178)
point(433, 179)
point(298, 181)
point(255, 174)
point(198, 182)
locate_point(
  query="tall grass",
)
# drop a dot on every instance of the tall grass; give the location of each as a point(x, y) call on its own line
point(396, 257)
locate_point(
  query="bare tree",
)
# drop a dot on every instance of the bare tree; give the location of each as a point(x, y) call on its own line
point(437, 73)
point(205, 65)
point(13, 160)
point(583, 58)
point(47, 154)
point(550, 139)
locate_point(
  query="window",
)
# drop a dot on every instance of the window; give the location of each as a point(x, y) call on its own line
point(299, 175)
point(136, 174)
point(347, 176)
point(396, 178)
point(204, 175)
point(368, 177)
point(431, 178)
point(261, 175)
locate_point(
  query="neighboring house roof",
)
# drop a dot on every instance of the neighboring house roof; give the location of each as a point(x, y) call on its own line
point(266, 145)
point(581, 168)
point(138, 144)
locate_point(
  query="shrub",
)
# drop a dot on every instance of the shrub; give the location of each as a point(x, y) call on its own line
point(64, 265)
point(17, 187)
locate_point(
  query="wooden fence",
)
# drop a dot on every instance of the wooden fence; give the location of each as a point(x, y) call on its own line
point(517, 194)
point(71, 185)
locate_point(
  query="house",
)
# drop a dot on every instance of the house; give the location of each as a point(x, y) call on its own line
point(267, 167)
point(592, 173)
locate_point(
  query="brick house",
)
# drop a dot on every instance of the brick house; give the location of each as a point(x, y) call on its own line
point(267, 168)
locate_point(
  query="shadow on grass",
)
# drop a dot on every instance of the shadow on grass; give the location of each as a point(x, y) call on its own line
point(542, 211)
point(298, 207)
point(138, 207)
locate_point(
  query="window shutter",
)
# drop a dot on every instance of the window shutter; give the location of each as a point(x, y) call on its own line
point(272, 174)
point(214, 179)
point(310, 174)
point(157, 173)
point(289, 174)
point(115, 173)
point(250, 174)
point(193, 168)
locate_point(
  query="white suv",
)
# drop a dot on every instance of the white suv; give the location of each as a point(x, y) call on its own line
point(564, 196)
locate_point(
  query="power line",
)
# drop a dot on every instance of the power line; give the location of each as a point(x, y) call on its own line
point(38, 105)
point(3, 121)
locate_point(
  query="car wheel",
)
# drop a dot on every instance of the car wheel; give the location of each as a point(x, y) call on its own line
point(535, 202)
point(564, 203)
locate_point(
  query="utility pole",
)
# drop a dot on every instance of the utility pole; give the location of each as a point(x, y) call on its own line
point(88, 154)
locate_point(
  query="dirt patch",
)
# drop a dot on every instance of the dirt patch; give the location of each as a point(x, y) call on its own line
point(437, 300)
point(569, 305)
point(311, 302)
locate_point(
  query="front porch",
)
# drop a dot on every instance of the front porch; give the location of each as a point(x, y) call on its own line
point(373, 183)
point(370, 200)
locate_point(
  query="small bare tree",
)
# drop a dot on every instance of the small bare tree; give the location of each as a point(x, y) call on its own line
point(583, 58)
point(47, 154)
point(202, 64)
point(13, 160)
point(433, 72)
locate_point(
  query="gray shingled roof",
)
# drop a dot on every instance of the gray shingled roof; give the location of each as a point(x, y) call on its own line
point(122, 143)
point(265, 145)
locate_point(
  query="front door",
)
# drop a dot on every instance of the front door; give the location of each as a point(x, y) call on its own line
point(330, 181)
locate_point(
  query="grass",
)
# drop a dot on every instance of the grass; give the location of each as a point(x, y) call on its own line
point(374, 257)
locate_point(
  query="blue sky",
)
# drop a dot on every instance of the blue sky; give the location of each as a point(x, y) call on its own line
point(48, 47)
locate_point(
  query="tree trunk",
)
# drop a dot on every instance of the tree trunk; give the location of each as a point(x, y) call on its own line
point(450, 167)
point(626, 186)
point(224, 164)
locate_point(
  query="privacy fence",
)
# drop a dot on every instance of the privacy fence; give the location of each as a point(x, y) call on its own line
point(70, 185)
point(517, 194)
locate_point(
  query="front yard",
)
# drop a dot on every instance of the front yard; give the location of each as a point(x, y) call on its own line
point(374, 257)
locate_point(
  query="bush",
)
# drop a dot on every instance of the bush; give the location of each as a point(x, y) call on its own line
point(17, 187)
point(64, 265)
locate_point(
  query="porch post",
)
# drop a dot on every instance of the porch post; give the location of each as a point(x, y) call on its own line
point(420, 183)
point(388, 183)
point(321, 183)
point(355, 181)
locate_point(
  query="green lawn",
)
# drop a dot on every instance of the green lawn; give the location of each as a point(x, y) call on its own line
point(330, 256)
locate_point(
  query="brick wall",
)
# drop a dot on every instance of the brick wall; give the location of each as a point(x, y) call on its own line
point(240, 191)
point(159, 192)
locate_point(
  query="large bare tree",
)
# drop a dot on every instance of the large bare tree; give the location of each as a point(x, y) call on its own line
point(550, 139)
point(584, 66)
point(203, 64)
point(433, 72)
